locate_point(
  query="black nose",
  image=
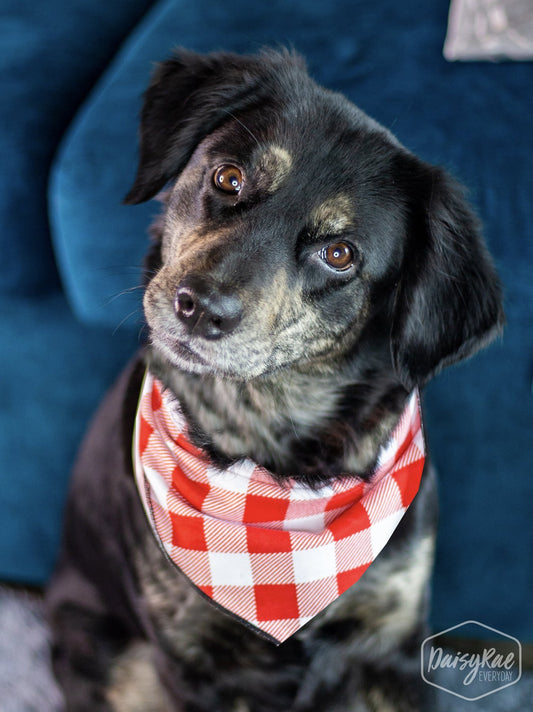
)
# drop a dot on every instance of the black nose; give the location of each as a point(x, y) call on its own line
point(206, 309)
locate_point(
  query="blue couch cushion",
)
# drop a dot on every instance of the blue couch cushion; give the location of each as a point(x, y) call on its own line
point(52, 53)
point(473, 118)
point(53, 371)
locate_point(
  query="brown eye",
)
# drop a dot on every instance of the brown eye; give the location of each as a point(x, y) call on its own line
point(228, 178)
point(340, 256)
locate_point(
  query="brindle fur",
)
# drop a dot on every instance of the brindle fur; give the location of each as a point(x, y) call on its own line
point(309, 383)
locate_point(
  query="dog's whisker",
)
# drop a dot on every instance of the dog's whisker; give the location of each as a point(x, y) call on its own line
point(243, 125)
point(120, 269)
point(124, 292)
point(140, 333)
point(125, 319)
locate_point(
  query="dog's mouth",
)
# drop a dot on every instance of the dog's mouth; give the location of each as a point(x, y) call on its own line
point(238, 357)
point(232, 357)
point(200, 356)
point(176, 349)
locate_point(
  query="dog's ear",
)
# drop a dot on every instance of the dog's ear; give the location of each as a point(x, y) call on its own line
point(190, 95)
point(448, 301)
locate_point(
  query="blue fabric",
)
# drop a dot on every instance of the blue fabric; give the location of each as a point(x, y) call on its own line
point(53, 371)
point(50, 55)
point(479, 424)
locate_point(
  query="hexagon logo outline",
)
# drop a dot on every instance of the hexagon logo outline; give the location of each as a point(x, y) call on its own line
point(455, 627)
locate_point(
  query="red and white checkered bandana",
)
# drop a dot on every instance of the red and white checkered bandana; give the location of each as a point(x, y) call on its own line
point(272, 555)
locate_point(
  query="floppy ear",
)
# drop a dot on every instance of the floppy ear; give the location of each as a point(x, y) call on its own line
point(449, 300)
point(190, 95)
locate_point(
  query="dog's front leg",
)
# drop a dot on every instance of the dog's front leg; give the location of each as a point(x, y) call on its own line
point(398, 688)
point(85, 640)
point(100, 666)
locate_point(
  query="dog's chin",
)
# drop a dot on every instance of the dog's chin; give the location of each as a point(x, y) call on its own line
point(179, 354)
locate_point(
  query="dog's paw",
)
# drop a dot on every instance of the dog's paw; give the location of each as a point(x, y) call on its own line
point(135, 685)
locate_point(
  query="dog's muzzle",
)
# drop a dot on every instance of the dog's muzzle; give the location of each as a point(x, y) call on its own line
point(206, 309)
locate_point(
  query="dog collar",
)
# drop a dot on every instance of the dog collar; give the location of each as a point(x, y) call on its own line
point(274, 556)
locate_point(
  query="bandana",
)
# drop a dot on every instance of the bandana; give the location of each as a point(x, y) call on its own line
point(272, 555)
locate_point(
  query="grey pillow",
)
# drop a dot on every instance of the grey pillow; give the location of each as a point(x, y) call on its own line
point(490, 30)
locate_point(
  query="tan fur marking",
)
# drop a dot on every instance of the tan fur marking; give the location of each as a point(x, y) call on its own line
point(241, 706)
point(135, 686)
point(276, 162)
point(408, 586)
point(378, 702)
point(333, 215)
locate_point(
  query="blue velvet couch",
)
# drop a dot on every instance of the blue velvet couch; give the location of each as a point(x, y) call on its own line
point(71, 82)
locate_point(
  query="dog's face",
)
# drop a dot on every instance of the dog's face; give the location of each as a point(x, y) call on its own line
point(272, 242)
point(295, 225)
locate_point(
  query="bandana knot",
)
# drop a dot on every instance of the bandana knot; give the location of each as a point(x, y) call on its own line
point(273, 556)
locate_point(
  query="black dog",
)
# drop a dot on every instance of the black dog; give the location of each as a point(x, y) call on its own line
point(306, 275)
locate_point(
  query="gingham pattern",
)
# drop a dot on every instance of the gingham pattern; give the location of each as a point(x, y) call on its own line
point(273, 556)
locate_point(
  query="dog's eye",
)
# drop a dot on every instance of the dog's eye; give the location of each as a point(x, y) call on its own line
point(228, 178)
point(340, 256)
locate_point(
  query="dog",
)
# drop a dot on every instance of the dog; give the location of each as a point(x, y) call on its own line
point(307, 275)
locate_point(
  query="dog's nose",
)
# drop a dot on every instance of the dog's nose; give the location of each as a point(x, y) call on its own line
point(205, 309)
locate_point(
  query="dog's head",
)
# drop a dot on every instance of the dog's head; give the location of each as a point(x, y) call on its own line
point(298, 231)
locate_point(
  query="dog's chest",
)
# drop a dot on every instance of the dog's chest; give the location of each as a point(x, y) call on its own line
point(211, 648)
